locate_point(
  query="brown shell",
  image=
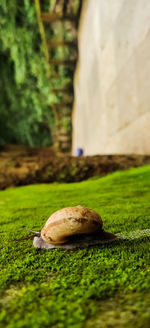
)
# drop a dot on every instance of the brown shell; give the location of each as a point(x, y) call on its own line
point(70, 221)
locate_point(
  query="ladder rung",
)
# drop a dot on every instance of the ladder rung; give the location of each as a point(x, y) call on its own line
point(61, 43)
point(62, 104)
point(55, 76)
point(64, 138)
point(60, 90)
point(57, 62)
point(52, 17)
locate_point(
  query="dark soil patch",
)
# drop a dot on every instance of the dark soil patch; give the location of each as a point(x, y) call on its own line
point(20, 165)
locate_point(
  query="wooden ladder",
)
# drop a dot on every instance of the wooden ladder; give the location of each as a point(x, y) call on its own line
point(62, 110)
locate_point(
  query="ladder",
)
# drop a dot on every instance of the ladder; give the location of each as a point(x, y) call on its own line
point(61, 17)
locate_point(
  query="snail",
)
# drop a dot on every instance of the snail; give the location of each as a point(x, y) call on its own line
point(72, 227)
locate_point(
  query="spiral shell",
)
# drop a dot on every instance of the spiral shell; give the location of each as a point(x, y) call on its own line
point(70, 221)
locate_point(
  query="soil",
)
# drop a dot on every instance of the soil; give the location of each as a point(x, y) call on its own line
point(21, 165)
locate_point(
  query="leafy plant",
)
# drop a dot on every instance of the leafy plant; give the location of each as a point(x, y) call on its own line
point(25, 99)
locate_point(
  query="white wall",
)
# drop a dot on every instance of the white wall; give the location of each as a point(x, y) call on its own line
point(112, 82)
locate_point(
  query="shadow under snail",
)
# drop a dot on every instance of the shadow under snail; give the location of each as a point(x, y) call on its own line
point(72, 227)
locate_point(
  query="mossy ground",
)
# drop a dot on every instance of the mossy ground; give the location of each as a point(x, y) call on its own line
point(105, 286)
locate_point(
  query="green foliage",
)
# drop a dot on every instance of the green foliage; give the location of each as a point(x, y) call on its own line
point(59, 288)
point(25, 88)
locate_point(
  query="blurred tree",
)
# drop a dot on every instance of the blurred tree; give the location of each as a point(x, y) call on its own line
point(25, 98)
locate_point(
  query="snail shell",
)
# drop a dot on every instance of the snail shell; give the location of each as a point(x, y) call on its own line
point(70, 221)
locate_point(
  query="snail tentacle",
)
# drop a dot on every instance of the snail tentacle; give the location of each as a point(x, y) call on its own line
point(36, 233)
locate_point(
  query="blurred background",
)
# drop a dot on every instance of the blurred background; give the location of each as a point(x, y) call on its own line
point(74, 81)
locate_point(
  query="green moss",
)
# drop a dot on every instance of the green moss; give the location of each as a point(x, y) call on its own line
point(60, 288)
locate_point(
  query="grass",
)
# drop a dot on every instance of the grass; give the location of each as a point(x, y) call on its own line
point(105, 286)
